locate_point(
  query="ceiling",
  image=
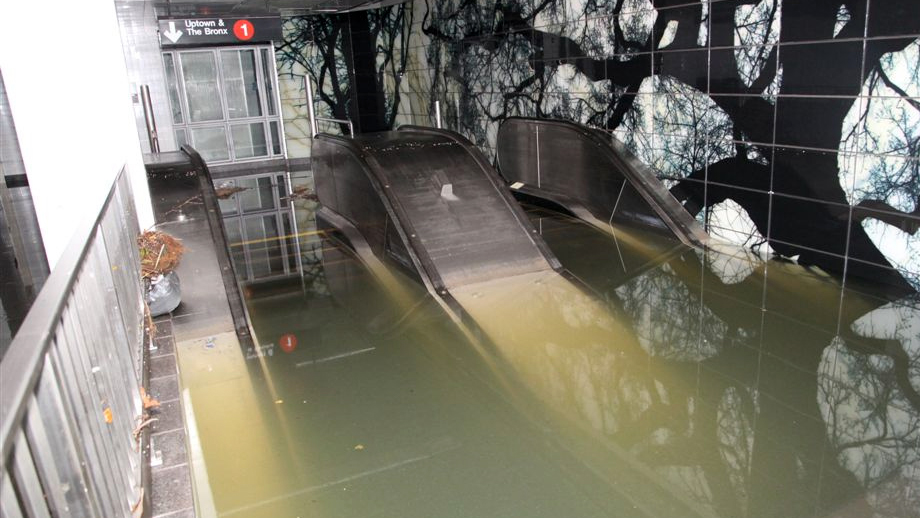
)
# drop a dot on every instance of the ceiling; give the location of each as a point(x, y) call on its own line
point(266, 7)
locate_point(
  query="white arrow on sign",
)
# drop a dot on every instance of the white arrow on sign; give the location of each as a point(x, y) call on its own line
point(172, 33)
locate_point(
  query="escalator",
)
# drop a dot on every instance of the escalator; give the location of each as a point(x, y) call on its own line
point(591, 175)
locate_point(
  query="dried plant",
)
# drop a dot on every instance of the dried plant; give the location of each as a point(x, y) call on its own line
point(160, 253)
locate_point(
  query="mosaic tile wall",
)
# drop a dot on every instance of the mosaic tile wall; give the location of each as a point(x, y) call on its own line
point(788, 127)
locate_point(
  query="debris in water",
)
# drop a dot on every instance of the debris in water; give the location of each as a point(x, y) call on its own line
point(225, 192)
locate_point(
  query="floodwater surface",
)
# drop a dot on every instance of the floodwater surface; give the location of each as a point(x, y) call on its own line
point(651, 380)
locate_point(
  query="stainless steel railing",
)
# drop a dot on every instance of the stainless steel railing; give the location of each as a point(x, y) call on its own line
point(69, 395)
point(311, 112)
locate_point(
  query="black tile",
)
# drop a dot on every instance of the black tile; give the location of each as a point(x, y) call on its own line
point(161, 366)
point(169, 417)
point(726, 75)
point(868, 272)
point(811, 121)
point(547, 44)
point(815, 230)
point(165, 388)
point(687, 17)
point(808, 173)
point(171, 446)
point(752, 118)
point(825, 68)
point(165, 345)
point(594, 69)
point(688, 66)
point(184, 513)
point(722, 24)
point(171, 490)
point(878, 48)
point(894, 18)
point(628, 68)
point(816, 21)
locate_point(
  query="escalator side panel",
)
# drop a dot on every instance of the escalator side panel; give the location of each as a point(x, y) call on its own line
point(591, 171)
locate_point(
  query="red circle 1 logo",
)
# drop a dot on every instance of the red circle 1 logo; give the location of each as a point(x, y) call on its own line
point(288, 343)
point(243, 30)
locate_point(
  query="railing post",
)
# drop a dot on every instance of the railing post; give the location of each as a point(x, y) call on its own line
point(308, 86)
point(150, 120)
point(437, 114)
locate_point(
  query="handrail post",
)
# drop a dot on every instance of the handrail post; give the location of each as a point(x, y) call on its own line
point(150, 120)
point(308, 86)
point(437, 114)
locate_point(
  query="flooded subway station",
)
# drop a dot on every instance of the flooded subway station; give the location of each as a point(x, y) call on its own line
point(651, 378)
point(479, 258)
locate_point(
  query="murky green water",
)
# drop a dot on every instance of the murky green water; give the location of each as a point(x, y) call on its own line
point(665, 382)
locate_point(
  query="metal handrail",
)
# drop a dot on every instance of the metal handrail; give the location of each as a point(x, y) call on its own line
point(351, 126)
point(311, 112)
point(69, 391)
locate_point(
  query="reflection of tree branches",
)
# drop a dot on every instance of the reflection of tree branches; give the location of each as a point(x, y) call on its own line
point(890, 84)
point(391, 28)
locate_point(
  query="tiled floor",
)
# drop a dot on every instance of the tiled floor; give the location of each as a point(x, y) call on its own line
point(171, 488)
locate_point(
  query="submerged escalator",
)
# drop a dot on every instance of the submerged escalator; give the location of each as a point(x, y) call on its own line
point(591, 175)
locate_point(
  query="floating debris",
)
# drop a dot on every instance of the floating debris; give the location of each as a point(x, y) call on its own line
point(224, 193)
point(301, 192)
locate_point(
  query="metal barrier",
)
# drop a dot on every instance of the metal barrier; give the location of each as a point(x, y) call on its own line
point(69, 395)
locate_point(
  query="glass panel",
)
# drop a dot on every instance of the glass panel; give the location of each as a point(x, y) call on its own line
point(290, 242)
point(228, 206)
point(211, 142)
point(258, 195)
point(261, 233)
point(172, 87)
point(249, 140)
point(268, 78)
point(276, 138)
point(282, 189)
point(181, 137)
point(199, 71)
point(235, 241)
point(255, 243)
point(241, 84)
point(274, 243)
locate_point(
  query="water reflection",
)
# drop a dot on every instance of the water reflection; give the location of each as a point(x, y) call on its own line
point(664, 381)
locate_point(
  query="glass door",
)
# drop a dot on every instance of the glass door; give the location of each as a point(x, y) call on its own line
point(224, 102)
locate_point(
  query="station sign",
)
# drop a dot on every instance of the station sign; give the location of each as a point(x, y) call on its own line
point(199, 32)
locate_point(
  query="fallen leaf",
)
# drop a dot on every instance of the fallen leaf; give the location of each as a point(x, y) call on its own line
point(149, 402)
point(107, 414)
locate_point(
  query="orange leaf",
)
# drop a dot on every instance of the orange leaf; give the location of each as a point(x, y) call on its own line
point(149, 402)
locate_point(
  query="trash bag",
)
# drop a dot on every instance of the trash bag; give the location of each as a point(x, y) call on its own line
point(164, 294)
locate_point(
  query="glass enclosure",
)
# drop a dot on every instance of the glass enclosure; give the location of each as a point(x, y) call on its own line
point(224, 102)
point(257, 217)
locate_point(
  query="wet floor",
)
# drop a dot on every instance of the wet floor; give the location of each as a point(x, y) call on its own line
point(653, 380)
